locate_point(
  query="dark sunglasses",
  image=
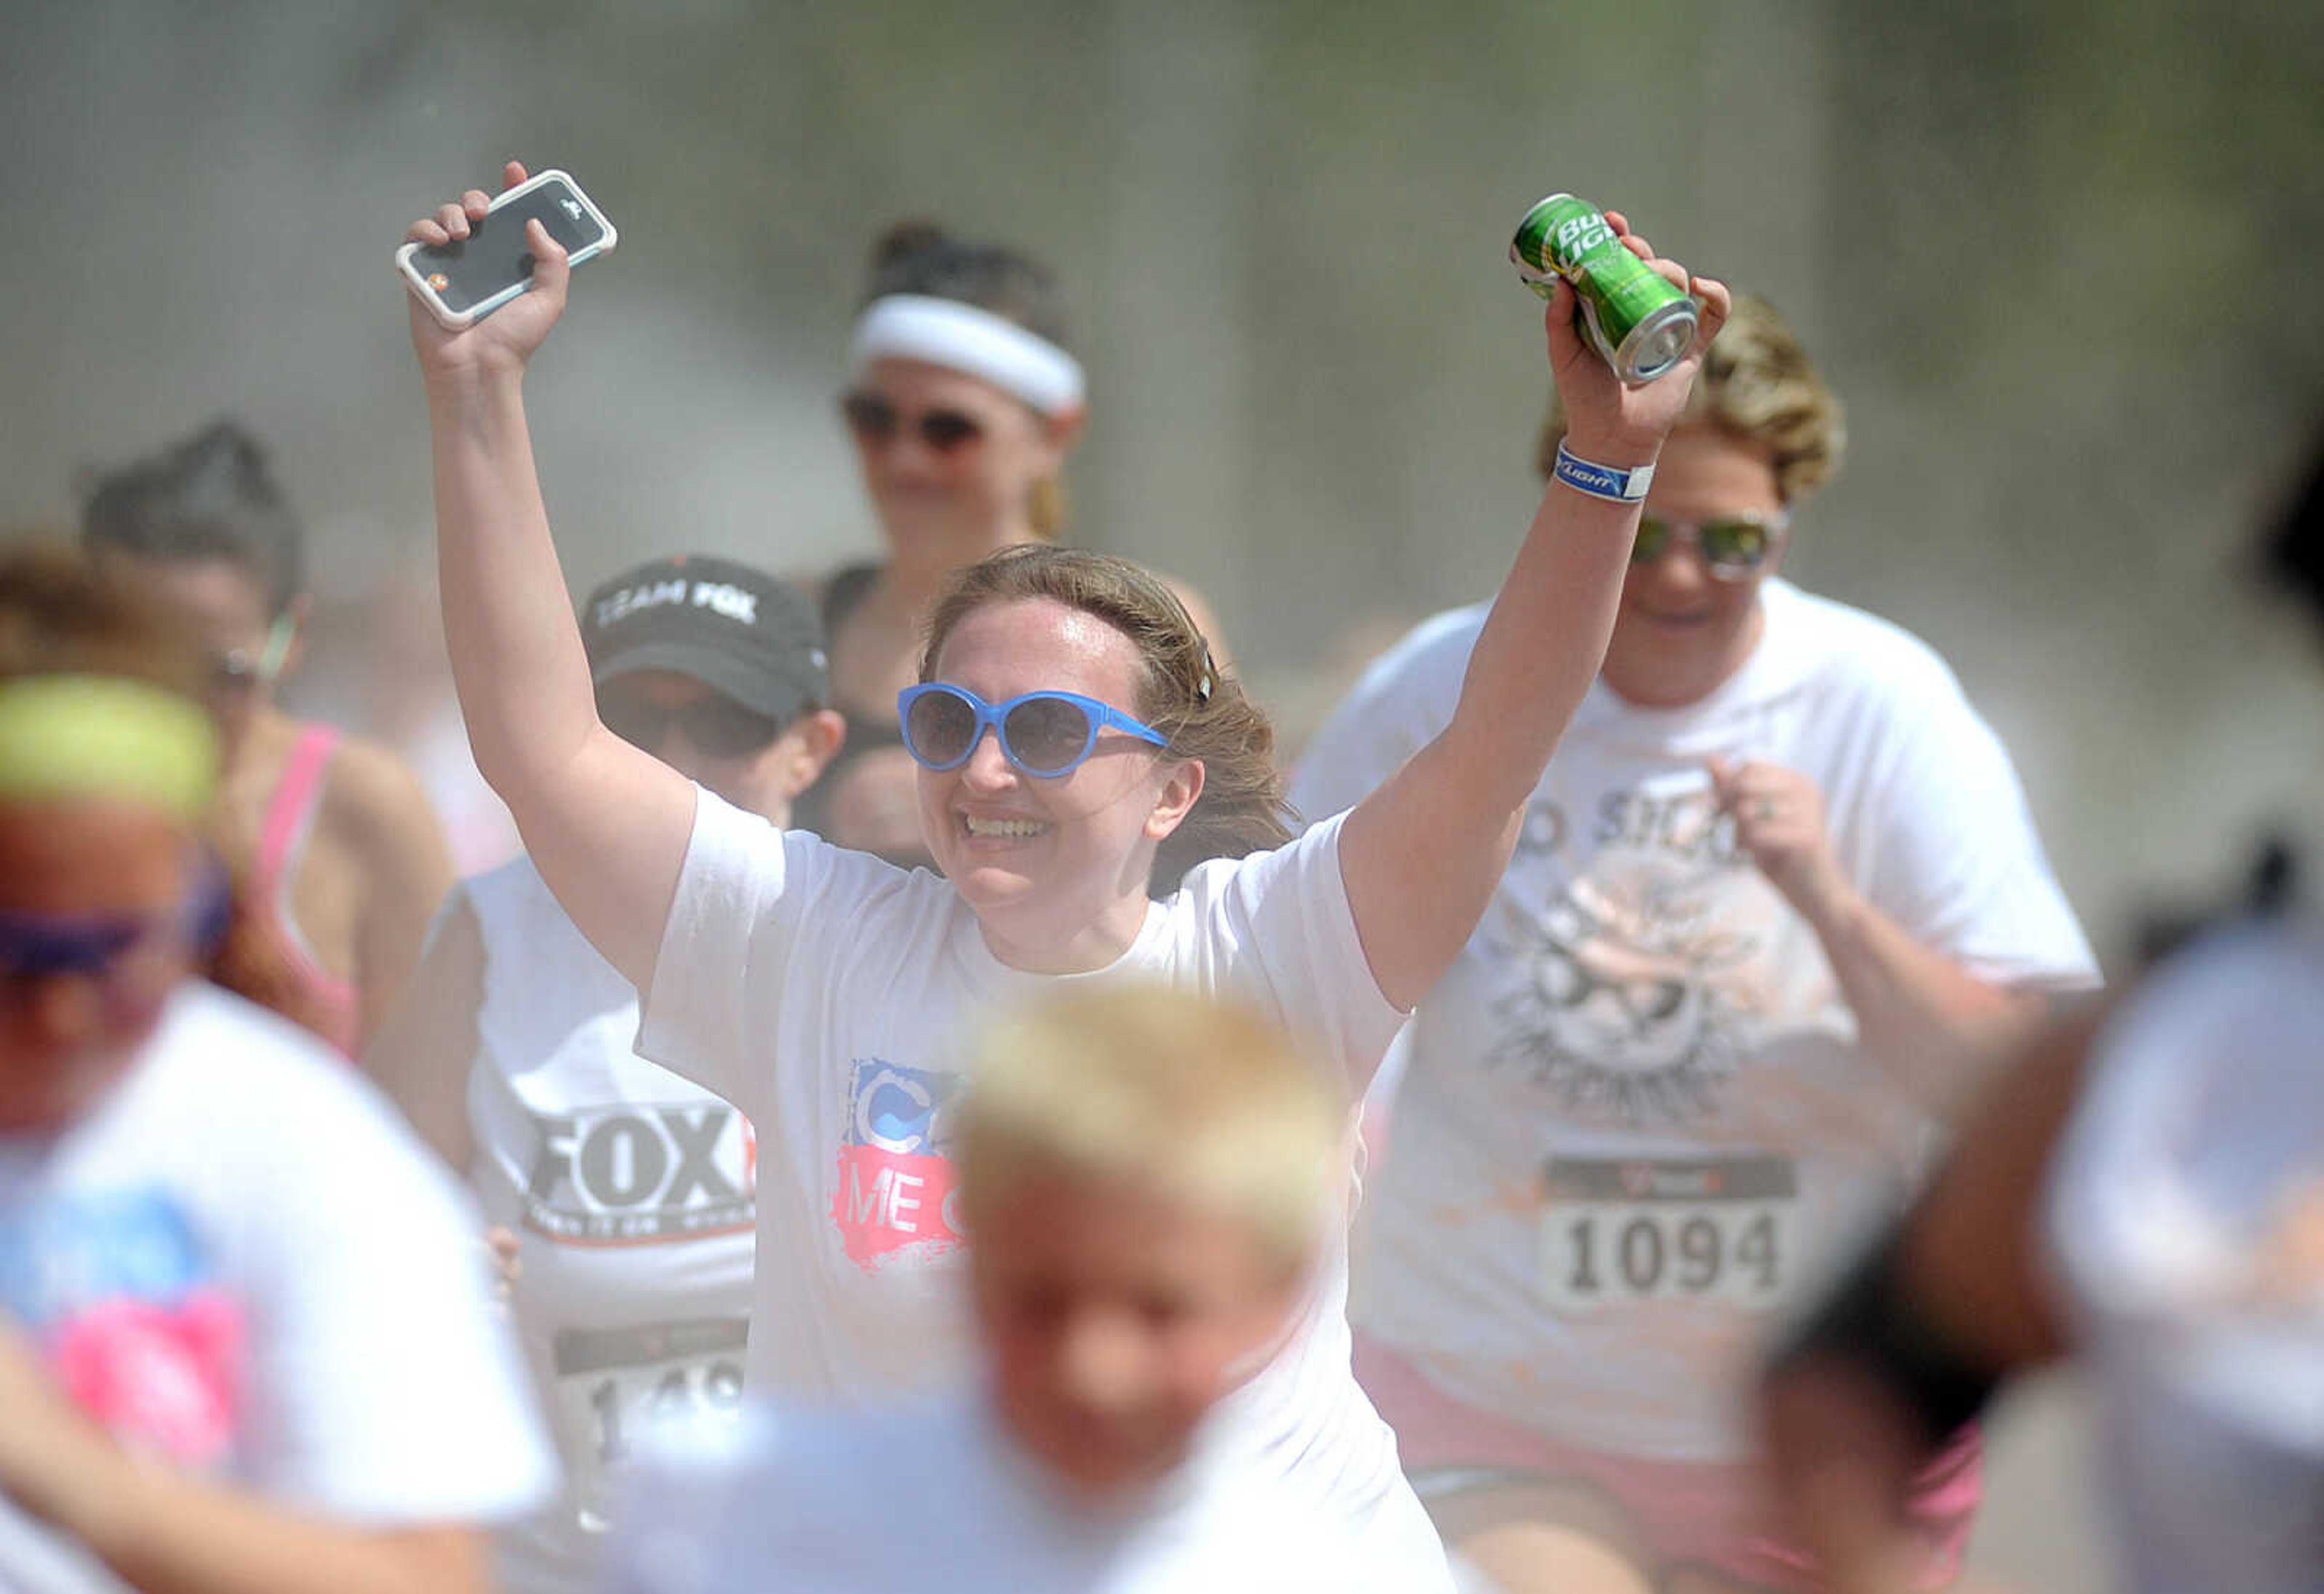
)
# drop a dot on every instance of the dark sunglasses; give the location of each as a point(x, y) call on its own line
point(99, 946)
point(1732, 545)
point(1045, 734)
point(875, 420)
point(716, 726)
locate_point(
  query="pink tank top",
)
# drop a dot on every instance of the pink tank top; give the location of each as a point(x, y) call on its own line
point(283, 839)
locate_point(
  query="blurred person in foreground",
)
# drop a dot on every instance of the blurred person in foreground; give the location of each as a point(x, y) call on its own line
point(633, 1189)
point(1103, 804)
point(963, 404)
point(332, 837)
point(2145, 1192)
point(1148, 1175)
point(1776, 897)
point(247, 1341)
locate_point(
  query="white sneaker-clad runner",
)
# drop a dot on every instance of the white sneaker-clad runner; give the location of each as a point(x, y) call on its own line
point(631, 1189)
point(1775, 890)
point(827, 993)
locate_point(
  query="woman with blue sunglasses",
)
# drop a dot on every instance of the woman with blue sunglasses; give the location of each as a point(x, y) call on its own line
point(1080, 751)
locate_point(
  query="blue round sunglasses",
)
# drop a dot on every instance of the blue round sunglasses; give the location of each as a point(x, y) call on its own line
point(1045, 734)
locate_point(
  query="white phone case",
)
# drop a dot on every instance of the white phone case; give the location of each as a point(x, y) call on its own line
point(457, 319)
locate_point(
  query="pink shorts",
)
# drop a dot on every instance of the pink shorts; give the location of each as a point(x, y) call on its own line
point(1709, 1514)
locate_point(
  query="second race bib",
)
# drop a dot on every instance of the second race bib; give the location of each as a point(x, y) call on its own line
point(617, 1387)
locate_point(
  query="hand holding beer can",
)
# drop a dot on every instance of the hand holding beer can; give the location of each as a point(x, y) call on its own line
point(1639, 323)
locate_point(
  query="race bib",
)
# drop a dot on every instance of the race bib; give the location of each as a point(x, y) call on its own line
point(617, 1388)
point(1622, 1230)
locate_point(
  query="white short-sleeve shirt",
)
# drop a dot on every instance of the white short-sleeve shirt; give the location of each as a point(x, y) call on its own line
point(242, 1261)
point(1635, 1118)
point(932, 1494)
point(830, 995)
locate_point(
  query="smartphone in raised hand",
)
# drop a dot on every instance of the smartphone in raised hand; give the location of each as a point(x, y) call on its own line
point(463, 281)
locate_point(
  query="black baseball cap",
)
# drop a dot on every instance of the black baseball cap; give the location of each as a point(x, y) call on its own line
point(740, 631)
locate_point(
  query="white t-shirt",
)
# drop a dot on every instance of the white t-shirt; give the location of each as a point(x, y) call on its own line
point(1635, 1119)
point(828, 995)
point(2202, 1124)
point(934, 1494)
point(241, 1260)
point(633, 1191)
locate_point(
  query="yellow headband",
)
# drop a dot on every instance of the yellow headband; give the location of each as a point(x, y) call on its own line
point(106, 736)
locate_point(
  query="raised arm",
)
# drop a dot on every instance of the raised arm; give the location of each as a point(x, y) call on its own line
point(1422, 854)
point(606, 824)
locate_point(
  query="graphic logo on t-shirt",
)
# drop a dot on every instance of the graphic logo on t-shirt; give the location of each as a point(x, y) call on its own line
point(119, 1292)
point(635, 1175)
point(896, 1178)
point(1622, 1001)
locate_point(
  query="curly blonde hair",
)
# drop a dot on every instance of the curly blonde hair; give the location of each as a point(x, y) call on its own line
point(1758, 384)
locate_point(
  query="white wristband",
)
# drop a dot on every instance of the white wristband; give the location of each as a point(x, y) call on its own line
point(1601, 481)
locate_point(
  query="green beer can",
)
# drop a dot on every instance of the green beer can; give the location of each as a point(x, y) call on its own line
point(1640, 323)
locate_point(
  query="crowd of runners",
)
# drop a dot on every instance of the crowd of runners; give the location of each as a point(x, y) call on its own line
point(896, 1126)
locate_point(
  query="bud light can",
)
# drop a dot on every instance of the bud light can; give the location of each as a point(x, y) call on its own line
point(1638, 320)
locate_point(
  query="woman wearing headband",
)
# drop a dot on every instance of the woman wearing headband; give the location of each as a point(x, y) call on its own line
point(1077, 745)
point(963, 404)
point(1776, 888)
point(244, 1334)
point(332, 838)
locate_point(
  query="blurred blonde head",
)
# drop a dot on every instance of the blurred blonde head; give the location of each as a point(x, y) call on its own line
point(1200, 1102)
point(1758, 385)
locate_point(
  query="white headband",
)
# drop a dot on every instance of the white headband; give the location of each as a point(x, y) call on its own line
point(961, 337)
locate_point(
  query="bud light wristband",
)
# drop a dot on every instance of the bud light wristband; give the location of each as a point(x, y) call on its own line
point(1601, 481)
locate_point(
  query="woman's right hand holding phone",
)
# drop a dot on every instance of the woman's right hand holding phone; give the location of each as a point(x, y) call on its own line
point(501, 343)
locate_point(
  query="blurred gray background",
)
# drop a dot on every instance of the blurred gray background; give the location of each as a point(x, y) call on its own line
point(2056, 257)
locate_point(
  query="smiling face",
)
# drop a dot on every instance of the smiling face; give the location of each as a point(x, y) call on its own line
point(1115, 1319)
point(955, 502)
point(1682, 631)
point(1055, 869)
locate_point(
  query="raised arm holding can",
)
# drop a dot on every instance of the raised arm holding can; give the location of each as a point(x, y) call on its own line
point(1639, 322)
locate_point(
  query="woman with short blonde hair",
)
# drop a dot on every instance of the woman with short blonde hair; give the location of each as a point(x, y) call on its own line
point(1775, 895)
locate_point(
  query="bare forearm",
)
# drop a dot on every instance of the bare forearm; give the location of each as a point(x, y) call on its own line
point(165, 1533)
point(1974, 1240)
point(516, 652)
point(1421, 855)
point(1922, 1017)
point(1541, 647)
